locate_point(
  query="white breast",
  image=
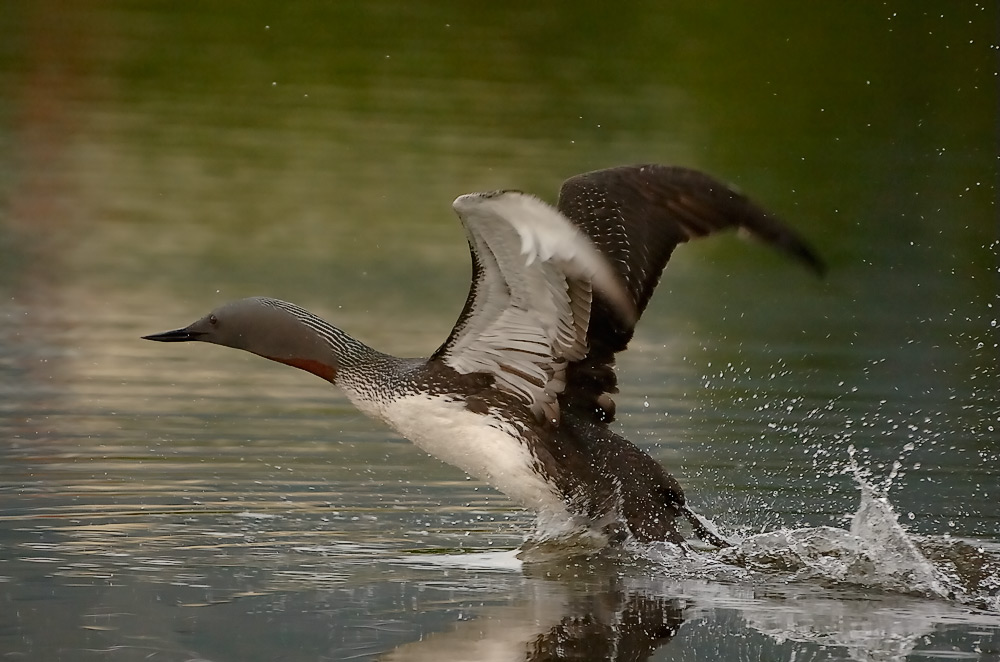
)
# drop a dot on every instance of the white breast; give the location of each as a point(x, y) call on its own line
point(486, 448)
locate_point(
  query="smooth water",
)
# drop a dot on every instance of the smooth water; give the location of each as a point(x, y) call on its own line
point(189, 502)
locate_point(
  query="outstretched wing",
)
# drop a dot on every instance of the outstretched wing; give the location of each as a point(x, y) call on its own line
point(636, 216)
point(528, 310)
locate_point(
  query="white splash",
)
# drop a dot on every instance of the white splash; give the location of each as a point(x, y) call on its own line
point(875, 552)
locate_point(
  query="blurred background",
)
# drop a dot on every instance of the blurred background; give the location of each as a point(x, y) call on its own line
point(158, 158)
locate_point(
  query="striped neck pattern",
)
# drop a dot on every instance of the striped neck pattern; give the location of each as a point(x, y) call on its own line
point(350, 352)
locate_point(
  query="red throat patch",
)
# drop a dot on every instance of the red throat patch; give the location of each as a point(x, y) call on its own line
point(318, 368)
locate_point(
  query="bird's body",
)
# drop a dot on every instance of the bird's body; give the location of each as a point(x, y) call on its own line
point(518, 396)
point(429, 404)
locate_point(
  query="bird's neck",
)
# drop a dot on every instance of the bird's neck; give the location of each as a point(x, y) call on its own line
point(314, 345)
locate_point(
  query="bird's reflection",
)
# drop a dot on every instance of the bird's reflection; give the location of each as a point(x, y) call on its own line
point(575, 613)
point(610, 626)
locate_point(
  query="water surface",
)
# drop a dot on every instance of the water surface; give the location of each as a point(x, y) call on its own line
point(175, 503)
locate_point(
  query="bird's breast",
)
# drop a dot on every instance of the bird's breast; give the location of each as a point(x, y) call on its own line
point(484, 445)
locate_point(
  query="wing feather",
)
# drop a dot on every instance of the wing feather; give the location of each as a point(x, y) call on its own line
point(636, 216)
point(528, 310)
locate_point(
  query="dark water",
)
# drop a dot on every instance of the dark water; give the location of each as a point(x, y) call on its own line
point(178, 503)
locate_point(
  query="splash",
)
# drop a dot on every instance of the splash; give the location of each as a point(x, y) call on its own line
point(875, 552)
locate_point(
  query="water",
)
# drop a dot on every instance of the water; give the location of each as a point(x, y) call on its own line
point(181, 503)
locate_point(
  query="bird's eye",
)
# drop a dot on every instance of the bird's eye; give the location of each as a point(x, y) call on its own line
point(213, 320)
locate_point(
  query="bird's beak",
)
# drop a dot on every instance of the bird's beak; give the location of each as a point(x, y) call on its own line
point(177, 335)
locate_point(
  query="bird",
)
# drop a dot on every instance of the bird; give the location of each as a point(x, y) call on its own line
point(519, 395)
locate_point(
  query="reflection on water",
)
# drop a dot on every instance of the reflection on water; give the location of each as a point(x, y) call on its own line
point(603, 621)
point(156, 160)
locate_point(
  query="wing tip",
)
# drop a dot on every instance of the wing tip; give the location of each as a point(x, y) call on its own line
point(811, 260)
point(777, 234)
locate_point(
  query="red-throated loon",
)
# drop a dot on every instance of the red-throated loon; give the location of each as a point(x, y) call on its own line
point(519, 394)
